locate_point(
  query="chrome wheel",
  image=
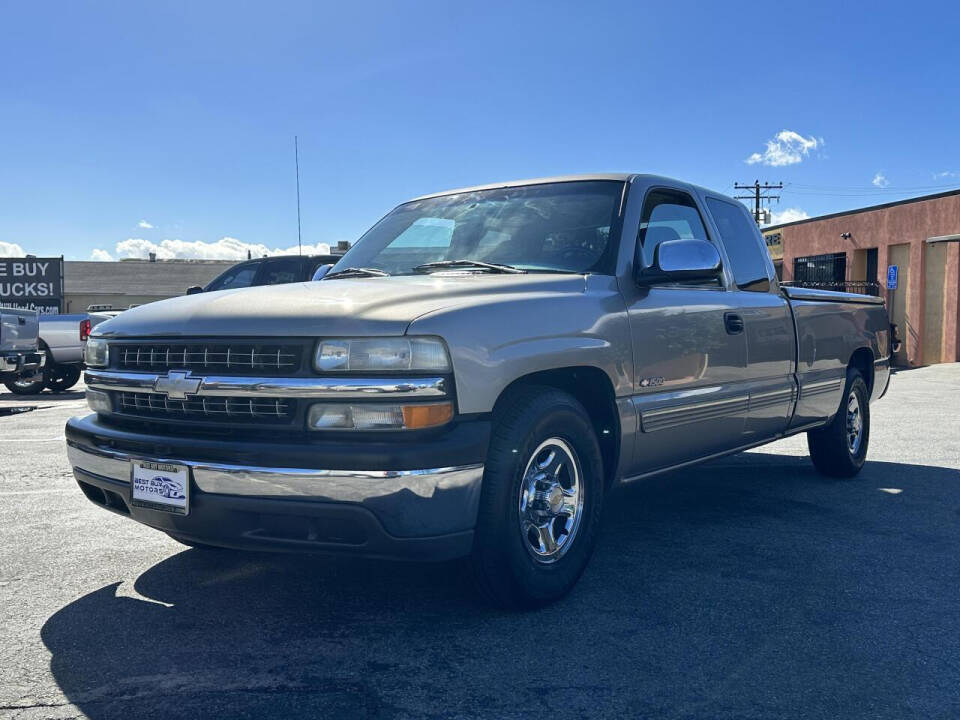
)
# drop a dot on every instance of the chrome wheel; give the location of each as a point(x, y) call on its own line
point(551, 500)
point(854, 424)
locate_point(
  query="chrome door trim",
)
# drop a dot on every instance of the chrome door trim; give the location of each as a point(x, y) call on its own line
point(821, 387)
point(772, 398)
point(673, 416)
point(317, 387)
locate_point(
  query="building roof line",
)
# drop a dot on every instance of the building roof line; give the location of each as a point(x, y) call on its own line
point(883, 206)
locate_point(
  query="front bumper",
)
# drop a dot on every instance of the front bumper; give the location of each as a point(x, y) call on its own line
point(420, 513)
point(18, 362)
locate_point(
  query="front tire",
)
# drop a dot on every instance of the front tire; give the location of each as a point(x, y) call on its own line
point(839, 449)
point(539, 512)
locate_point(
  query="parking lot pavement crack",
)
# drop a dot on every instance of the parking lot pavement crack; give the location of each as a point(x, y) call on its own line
point(33, 705)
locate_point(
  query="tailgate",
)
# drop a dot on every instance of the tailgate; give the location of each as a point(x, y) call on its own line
point(19, 329)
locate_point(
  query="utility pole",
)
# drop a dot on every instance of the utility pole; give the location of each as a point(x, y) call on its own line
point(757, 197)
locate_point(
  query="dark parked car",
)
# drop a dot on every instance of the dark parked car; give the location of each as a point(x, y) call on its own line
point(276, 270)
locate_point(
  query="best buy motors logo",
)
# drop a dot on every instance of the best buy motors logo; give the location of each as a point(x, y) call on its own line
point(166, 487)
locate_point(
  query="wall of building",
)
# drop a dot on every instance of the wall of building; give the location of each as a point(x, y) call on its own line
point(133, 282)
point(899, 233)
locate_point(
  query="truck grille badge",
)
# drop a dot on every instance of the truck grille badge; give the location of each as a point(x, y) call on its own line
point(177, 385)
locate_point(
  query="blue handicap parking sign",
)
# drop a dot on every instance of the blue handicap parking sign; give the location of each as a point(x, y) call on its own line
point(893, 273)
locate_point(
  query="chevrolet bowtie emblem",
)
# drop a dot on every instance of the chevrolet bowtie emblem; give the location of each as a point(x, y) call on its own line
point(177, 385)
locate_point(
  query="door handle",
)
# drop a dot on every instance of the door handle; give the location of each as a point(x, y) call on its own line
point(733, 322)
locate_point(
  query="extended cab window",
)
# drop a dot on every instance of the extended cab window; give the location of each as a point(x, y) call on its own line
point(668, 215)
point(744, 250)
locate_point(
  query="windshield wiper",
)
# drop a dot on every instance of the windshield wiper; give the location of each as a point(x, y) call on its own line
point(356, 272)
point(479, 264)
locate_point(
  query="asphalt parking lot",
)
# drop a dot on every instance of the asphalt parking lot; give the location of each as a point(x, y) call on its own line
point(747, 588)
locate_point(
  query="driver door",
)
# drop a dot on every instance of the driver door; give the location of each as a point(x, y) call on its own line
point(689, 358)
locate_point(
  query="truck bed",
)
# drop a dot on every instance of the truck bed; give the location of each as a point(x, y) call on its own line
point(802, 293)
point(19, 330)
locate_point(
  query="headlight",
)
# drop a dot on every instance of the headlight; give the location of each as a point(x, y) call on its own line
point(96, 354)
point(378, 354)
point(367, 416)
point(99, 401)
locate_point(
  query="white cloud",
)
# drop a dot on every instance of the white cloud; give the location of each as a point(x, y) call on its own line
point(10, 250)
point(788, 215)
point(786, 148)
point(945, 174)
point(226, 248)
point(145, 225)
point(880, 180)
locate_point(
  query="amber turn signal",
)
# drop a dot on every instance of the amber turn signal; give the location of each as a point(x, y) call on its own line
point(424, 416)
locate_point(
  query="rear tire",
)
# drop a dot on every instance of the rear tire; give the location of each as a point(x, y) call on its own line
point(839, 449)
point(59, 378)
point(539, 512)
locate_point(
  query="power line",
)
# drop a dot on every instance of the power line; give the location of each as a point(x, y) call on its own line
point(869, 188)
point(758, 197)
point(888, 193)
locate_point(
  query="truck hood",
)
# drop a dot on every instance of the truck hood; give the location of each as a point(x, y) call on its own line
point(347, 306)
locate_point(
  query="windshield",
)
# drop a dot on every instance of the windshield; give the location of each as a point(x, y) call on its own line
point(557, 227)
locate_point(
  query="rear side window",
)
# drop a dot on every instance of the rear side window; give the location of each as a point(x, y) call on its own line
point(237, 277)
point(668, 215)
point(280, 272)
point(739, 235)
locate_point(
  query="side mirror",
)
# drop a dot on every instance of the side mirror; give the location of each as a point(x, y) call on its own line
point(677, 260)
point(194, 289)
point(321, 271)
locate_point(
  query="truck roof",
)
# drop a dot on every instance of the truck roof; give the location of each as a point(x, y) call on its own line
point(618, 177)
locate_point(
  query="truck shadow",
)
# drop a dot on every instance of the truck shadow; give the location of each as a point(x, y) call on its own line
point(748, 587)
point(44, 397)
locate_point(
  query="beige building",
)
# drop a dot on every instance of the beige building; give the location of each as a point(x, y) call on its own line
point(132, 282)
point(914, 241)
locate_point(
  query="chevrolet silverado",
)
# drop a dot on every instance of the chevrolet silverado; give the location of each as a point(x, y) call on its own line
point(473, 378)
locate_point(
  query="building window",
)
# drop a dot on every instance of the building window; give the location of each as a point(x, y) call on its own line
point(824, 271)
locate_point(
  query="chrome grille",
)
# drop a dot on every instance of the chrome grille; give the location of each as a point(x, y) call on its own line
point(260, 358)
point(223, 409)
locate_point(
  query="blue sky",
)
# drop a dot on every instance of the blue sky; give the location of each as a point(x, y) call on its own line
point(181, 116)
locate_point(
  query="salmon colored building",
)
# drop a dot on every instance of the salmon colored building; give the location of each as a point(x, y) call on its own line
point(854, 250)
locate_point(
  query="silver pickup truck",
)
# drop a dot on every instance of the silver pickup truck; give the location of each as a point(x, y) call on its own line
point(473, 377)
point(62, 339)
point(19, 344)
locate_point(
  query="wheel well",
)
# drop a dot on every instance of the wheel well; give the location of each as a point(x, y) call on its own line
point(862, 360)
point(592, 389)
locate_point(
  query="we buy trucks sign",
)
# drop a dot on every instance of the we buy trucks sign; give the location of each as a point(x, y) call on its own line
point(32, 284)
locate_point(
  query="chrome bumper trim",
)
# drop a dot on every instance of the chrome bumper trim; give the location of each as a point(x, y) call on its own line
point(326, 485)
point(318, 387)
point(21, 362)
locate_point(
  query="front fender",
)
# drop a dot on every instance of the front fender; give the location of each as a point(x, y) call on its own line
point(499, 339)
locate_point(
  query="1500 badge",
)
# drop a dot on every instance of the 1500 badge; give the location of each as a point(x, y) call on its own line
point(651, 382)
